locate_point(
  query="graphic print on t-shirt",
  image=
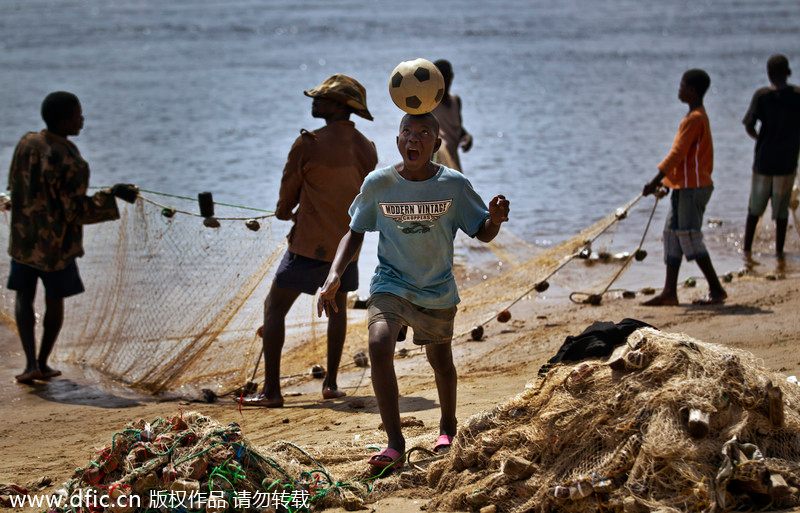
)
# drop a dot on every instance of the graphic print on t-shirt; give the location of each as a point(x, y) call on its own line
point(416, 212)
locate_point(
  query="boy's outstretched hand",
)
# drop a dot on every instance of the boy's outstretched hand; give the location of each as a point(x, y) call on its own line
point(498, 209)
point(498, 214)
point(327, 296)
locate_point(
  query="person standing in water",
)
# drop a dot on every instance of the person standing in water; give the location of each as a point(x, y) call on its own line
point(777, 108)
point(687, 171)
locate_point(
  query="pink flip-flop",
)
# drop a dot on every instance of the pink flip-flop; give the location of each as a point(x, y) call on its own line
point(443, 442)
point(387, 458)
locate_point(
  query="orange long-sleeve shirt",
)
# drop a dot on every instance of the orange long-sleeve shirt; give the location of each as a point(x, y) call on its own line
point(691, 159)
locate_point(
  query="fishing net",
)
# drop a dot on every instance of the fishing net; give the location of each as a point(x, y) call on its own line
point(173, 304)
point(192, 463)
point(521, 282)
point(667, 423)
point(673, 425)
point(170, 301)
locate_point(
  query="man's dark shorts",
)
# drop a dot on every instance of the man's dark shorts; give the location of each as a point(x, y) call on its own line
point(63, 283)
point(303, 274)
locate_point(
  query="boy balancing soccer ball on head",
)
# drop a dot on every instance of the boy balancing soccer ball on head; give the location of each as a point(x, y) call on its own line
point(416, 206)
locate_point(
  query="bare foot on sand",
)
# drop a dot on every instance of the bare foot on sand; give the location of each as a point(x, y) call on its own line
point(332, 393)
point(711, 299)
point(662, 300)
point(46, 373)
point(261, 400)
point(27, 376)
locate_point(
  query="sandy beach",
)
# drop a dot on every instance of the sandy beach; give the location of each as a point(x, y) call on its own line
point(571, 105)
point(53, 428)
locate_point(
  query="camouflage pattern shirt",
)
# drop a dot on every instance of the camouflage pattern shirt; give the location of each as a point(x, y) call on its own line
point(48, 180)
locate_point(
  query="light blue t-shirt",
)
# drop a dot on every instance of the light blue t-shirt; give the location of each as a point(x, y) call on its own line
point(417, 222)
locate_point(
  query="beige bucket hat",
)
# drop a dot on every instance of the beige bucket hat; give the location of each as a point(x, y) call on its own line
point(343, 89)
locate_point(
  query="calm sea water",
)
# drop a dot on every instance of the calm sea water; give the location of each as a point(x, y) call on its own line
point(571, 103)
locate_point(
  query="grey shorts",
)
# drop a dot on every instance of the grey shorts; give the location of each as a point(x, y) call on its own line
point(682, 230)
point(430, 325)
point(764, 188)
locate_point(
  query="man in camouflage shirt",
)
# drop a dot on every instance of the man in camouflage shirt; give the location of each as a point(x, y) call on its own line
point(48, 180)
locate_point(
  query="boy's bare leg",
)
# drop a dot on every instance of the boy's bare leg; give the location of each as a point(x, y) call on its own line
point(382, 340)
point(337, 332)
point(26, 320)
point(276, 306)
point(669, 294)
point(440, 357)
point(53, 320)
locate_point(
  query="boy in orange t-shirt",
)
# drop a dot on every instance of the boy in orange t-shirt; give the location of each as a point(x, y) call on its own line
point(687, 171)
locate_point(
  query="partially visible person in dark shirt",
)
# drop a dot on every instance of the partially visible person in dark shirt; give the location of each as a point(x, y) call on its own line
point(777, 108)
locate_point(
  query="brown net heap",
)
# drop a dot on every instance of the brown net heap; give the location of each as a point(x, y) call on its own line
point(673, 425)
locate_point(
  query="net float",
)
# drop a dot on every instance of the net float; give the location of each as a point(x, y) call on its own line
point(361, 359)
point(252, 224)
point(593, 299)
point(477, 332)
point(318, 371)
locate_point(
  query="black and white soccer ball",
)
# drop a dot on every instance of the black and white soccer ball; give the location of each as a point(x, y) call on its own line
point(416, 86)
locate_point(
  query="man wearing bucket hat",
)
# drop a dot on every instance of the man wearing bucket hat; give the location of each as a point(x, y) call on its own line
point(322, 176)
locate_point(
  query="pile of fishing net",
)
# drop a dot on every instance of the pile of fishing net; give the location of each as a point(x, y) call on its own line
point(666, 424)
point(192, 463)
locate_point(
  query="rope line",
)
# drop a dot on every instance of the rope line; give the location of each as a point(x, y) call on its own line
point(270, 213)
point(177, 211)
point(621, 213)
point(595, 298)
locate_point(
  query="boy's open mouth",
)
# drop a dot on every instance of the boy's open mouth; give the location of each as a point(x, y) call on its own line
point(412, 154)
